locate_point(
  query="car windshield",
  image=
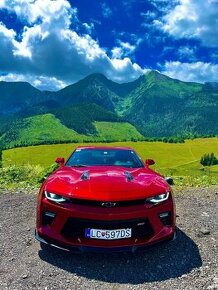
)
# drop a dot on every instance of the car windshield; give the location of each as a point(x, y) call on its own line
point(104, 157)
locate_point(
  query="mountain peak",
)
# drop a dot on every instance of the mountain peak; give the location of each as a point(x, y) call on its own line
point(17, 84)
point(96, 76)
point(156, 76)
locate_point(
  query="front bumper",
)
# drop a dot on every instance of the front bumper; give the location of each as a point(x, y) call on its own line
point(55, 234)
point(89, 249)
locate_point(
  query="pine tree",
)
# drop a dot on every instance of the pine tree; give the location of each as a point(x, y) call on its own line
point(209, 159)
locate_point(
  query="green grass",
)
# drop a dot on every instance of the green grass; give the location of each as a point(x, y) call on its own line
point(47, 128)
point(37, 129)
point(117, 131)
point(178, 160)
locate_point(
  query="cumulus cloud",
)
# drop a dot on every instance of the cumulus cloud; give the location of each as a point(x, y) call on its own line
point(124, 49)
point(192, 19)
point(89, 27)
point(7, 44)
point(123, 69)
point(51, 52)
point(192, 72)
point(187, 52)
point(163, 5)
point(44, 10)
point(42, 83)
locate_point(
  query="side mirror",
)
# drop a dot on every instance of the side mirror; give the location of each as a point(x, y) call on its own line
point(60, 161)
point(169, 180)
point(149, 162)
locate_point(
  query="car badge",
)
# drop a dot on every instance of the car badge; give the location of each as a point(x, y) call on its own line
point(108, 204)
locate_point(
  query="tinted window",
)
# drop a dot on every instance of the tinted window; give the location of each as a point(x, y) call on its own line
point(104, 157)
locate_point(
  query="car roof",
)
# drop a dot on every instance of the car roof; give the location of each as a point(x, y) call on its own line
point(105, 147)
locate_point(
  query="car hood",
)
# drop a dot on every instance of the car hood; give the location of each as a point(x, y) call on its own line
point(106, 183)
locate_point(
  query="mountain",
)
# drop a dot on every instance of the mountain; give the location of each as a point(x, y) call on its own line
point(96, 88)
point(17, 96)
point(162, 106)
point(156, 105)
point(22, 99)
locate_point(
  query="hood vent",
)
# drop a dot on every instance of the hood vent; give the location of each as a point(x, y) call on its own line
point(85, 175)
point(129, 176)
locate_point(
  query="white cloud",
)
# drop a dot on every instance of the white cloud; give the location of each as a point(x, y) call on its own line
point(128, 46)
point(88, 27)
point(49, 51)
point(2, 3)
point(122, 70)
point(124, 49)
point(148, 16)
point(187, 52)
point(117, 52)
point(40, 82)
point(45, 10)
point(8, 33)
point(163, 5)
point(192, 19)
point(191, 72)
point(7, 44)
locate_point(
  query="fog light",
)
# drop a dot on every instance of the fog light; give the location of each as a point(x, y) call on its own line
point(50, 214)
point(47, 217)
point(164, 214)
point(165, 218)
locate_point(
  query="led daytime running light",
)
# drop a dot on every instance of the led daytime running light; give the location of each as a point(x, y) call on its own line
point(159, 198)
point(55, 197)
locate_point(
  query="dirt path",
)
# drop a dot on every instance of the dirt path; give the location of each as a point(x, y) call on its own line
point(190, 262)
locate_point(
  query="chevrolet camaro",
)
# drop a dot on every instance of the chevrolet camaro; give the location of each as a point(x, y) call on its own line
point(104, 199)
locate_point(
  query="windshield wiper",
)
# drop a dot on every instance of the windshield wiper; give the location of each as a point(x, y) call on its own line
point(79, 165)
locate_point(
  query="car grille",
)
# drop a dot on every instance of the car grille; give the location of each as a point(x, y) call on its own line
point(99, 203)
point(75, 228)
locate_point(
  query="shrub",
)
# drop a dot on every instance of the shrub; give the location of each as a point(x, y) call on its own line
point(209, 159)
point(24, 176)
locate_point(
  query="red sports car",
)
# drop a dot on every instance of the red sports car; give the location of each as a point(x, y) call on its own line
point(104, 199)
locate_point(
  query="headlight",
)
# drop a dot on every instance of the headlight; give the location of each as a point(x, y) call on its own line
point(158, 198)
point(55, 197)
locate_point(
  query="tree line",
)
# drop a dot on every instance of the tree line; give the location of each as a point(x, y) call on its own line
point(209, 159)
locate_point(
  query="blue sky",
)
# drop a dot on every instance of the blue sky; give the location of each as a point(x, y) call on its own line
point(53, 43)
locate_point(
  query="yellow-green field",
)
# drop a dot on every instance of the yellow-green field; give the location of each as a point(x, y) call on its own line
point(174, 159)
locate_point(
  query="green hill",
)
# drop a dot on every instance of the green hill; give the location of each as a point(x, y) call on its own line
point(81, 117)
point(47, 129)
point(117, 131)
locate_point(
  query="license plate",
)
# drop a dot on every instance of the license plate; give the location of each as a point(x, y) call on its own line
point(108, 234)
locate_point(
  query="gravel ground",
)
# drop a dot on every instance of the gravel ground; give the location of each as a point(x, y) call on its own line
point(189, 262)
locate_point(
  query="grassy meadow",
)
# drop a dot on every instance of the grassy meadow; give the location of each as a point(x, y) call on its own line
point(180, 160)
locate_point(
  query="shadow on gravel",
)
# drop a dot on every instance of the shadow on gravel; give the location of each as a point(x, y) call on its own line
point(159, 263)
